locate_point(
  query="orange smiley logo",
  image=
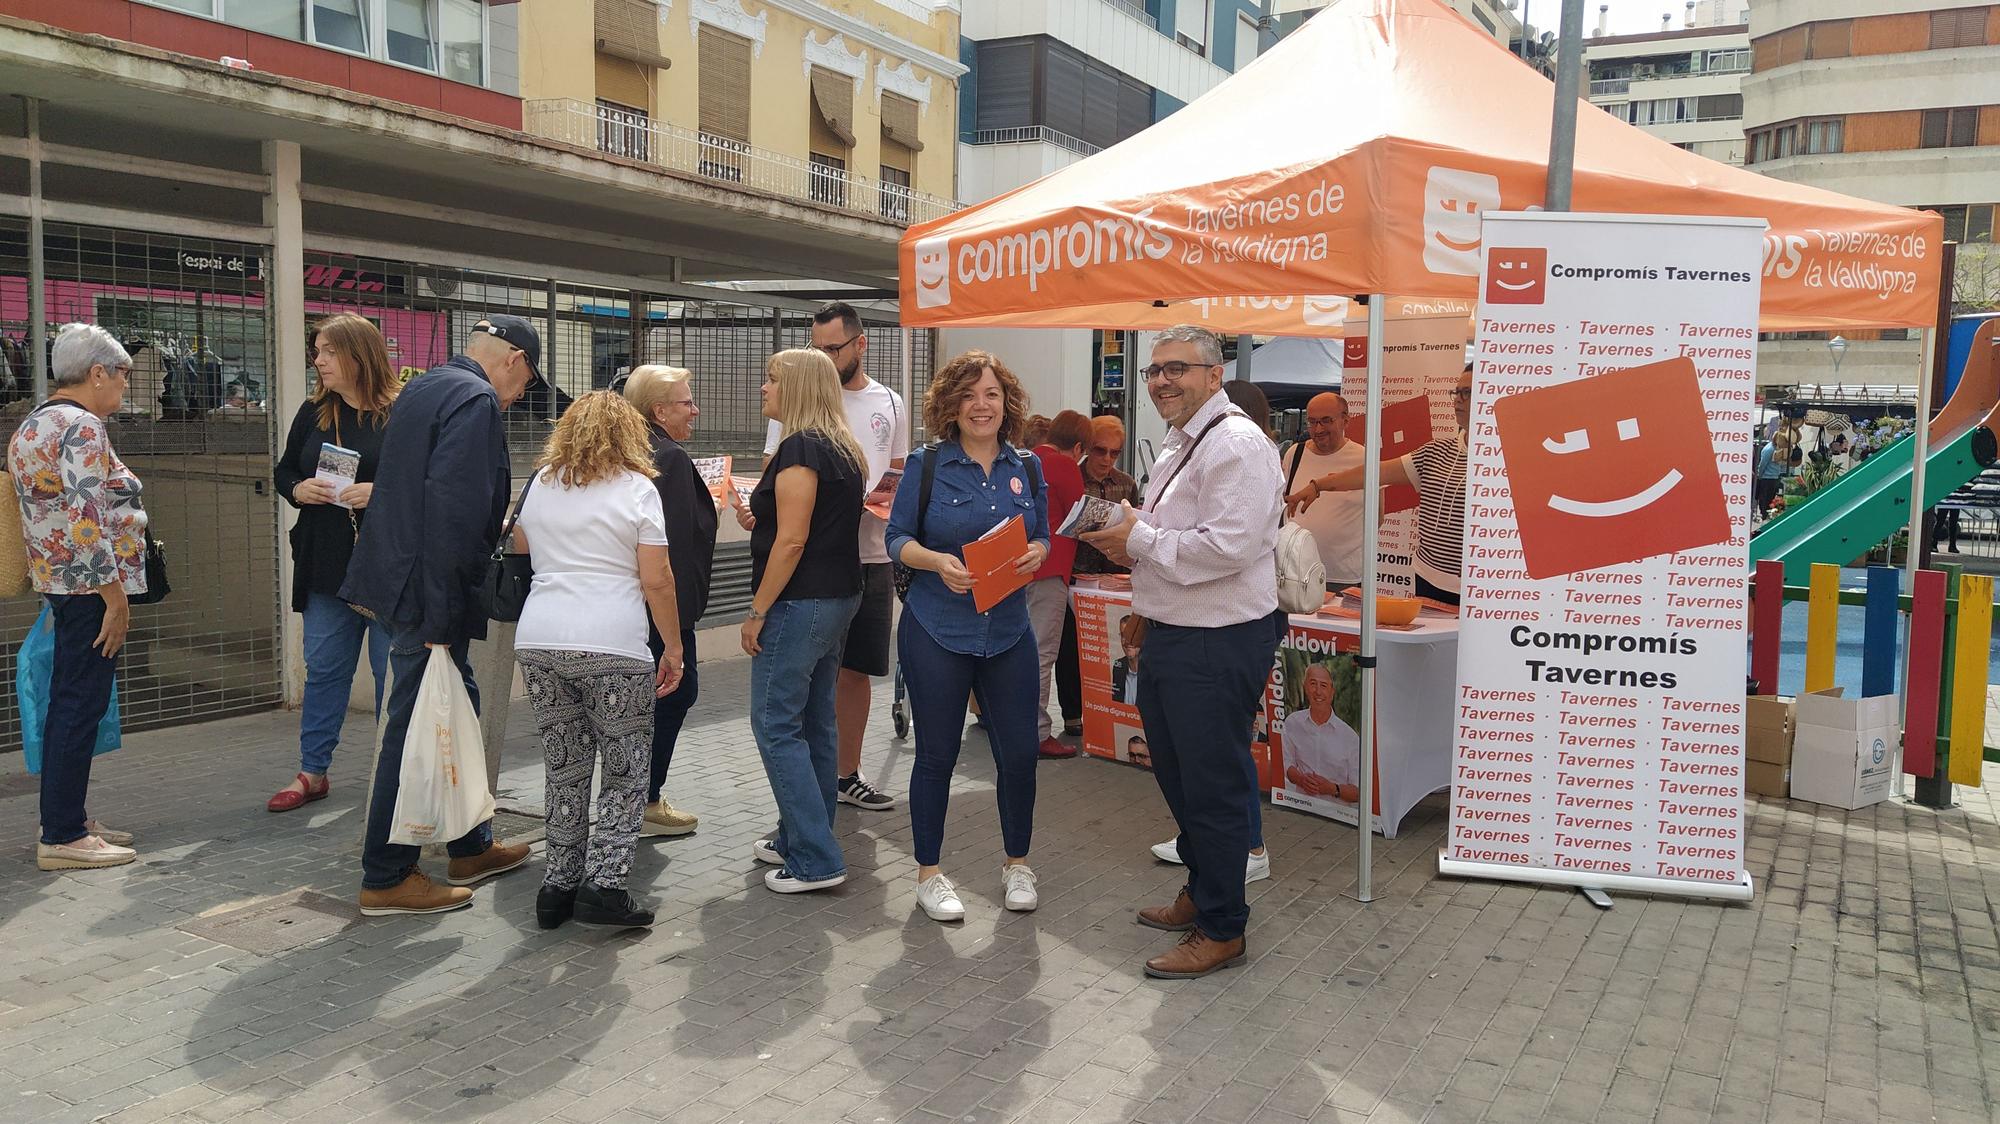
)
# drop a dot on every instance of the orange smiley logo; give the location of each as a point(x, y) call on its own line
point(1354, 353)
point(1611, 469)
point(1517, 276)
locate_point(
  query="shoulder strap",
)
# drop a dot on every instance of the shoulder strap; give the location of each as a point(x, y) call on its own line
point(1189, 455)
point(1298, 454)
point(1034, 466)
point(930, 452)
point(507, 532)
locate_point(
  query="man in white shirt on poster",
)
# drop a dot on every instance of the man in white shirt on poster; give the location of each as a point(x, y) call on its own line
point(1335, 522)
point(1322, 753)
point(881, 423)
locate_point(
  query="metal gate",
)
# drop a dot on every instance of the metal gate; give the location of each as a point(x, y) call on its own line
point(195, 430)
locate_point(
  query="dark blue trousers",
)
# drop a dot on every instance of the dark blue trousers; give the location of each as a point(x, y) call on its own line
point(385, 864)
point(670, 713)
point(79, 690)
point(1199, 689)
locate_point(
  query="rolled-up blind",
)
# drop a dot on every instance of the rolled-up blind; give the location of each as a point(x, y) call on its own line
point(630, 29)
point(899, 121)
point(724, 97)
point(834, 94)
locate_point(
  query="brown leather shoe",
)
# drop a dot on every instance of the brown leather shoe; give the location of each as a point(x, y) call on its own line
point(1196, 956)
point(497, 859)
point(416, 893)
point(1174, 918)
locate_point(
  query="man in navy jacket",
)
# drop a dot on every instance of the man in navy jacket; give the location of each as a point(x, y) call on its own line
point(441, 493)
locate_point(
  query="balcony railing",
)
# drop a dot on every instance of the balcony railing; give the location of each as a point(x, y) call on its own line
point(1034, 134)
point(632, 136)
point(1610, 86)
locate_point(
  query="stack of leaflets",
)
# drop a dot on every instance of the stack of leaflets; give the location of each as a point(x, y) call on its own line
point(1091, 513)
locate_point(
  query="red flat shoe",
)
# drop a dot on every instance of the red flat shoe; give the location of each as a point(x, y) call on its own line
point(1052, 748)
point(288, 799)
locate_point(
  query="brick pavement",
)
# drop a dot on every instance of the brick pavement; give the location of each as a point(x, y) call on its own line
point(1863, 984)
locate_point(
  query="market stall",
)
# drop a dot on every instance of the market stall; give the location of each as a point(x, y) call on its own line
point(1226, 212)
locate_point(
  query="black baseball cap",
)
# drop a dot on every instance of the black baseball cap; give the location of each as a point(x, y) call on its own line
point(517, 331)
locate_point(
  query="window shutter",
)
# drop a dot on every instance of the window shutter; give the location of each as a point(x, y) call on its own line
point(1062, 90)
point(834, 95)
point(1830, 39)
point(630, 29)
point(897, 157)
point(1100, 106)
point(899, 125)
point(1933, 135)
point(1964, 27)
point(1005, 88)
point(1717, 106)
point(724, 97)
point(1135, 107)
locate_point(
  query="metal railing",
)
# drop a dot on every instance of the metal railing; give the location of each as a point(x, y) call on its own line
point(632, 136)
point(1034, 134)
point(1610, 86)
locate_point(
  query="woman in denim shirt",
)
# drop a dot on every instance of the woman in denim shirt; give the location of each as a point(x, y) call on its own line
point(947, 648)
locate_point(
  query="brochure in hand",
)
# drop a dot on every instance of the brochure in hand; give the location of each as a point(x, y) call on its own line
point(1091, 513)
point(715, 473)
point(338, 468)
point(883, 495)
point(991, 560)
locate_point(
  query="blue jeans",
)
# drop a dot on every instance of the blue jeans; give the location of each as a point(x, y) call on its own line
point(1008, 687)
point(791, 713)
point(670, 713)
point(1197, 696)
point(385, 864)
point(79, 690)
point(334, 632)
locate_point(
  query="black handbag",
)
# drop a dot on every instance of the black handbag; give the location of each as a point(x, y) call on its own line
point(509, 574)
point(157, 585)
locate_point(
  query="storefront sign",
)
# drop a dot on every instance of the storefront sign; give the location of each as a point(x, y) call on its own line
point(1600, 700)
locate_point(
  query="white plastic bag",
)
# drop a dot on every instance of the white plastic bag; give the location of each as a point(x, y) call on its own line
point(443, 791)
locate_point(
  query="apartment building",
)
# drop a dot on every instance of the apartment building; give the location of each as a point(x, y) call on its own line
point(1497, 18)
point(1681, 84)
point(1896, 100)
point(205, 178)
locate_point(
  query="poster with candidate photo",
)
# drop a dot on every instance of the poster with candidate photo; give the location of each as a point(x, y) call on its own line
point(1110, 652)
point(1313, 714)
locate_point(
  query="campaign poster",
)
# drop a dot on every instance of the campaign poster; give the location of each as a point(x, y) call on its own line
point(1313, 714)
point(1423, 354)
point(1110, 648)
point(1599, 718)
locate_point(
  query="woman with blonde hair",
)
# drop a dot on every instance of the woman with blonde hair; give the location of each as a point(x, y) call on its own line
point(804, 520)
point(665, 397)
point(346, 412)
point(592, 524)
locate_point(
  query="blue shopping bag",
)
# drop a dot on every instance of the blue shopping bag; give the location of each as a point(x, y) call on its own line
point(34, 665)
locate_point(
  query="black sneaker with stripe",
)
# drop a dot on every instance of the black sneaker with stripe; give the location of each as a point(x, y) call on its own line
point(861, 794)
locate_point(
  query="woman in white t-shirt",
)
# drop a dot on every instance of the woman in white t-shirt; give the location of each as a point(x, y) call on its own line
point(592, 521)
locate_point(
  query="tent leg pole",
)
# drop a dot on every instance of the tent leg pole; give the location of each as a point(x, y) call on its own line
point(1371, 513)
point(1562, 126)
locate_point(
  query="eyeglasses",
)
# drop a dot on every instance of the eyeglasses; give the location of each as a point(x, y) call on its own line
point(1311, 422)
point(1102, 451)
point(1175, 371)
point(836, 348)
point(1463, 393)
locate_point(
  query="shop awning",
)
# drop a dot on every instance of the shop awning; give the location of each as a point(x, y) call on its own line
point(1356, 157)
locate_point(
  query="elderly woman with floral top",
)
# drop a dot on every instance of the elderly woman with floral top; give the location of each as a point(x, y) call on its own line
point(86, 538)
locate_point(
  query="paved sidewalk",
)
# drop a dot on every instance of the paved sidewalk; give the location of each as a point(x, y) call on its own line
point(1862, 985)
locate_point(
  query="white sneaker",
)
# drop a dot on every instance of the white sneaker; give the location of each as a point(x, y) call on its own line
point(781, 881)
point(940, 899)
point(1021, 896)
point(1259, 867)
point(766, 851)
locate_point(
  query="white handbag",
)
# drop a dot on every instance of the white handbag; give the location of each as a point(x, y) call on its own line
point(443, 792)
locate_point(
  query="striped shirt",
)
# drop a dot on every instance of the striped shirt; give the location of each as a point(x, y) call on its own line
point(1439, 471)
point(1204, 554)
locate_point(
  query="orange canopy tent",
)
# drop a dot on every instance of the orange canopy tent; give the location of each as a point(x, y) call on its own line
point(1356, 157)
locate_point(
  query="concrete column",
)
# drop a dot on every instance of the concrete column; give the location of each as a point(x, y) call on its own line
point(285, 297)
point(38, 312)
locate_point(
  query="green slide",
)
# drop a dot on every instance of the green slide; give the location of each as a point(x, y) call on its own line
point(1870, 502)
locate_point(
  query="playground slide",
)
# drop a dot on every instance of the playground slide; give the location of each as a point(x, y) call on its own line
point(1869, 502)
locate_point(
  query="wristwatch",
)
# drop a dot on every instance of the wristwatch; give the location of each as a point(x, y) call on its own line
point(754, 614)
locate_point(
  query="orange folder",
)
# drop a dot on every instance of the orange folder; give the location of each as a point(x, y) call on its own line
point(991, 558)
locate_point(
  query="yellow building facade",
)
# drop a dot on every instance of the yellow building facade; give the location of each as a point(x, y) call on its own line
point(850, 104)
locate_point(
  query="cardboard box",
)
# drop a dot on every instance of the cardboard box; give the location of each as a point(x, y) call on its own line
point(1764, 778)
point(1767, 732)
point(1844, 751)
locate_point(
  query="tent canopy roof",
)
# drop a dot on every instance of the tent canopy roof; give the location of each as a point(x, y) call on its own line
point(1356, 157)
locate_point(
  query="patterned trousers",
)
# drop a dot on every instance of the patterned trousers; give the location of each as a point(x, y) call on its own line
point(591, 705)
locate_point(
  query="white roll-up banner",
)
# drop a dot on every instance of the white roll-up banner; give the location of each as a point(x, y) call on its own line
point(1605, 595)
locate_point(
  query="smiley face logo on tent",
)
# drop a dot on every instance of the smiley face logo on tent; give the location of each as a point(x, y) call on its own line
point(1454, 199)
point(933, 272)
point(1517, 276)
point(1611, 469)
point(1324, 312)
